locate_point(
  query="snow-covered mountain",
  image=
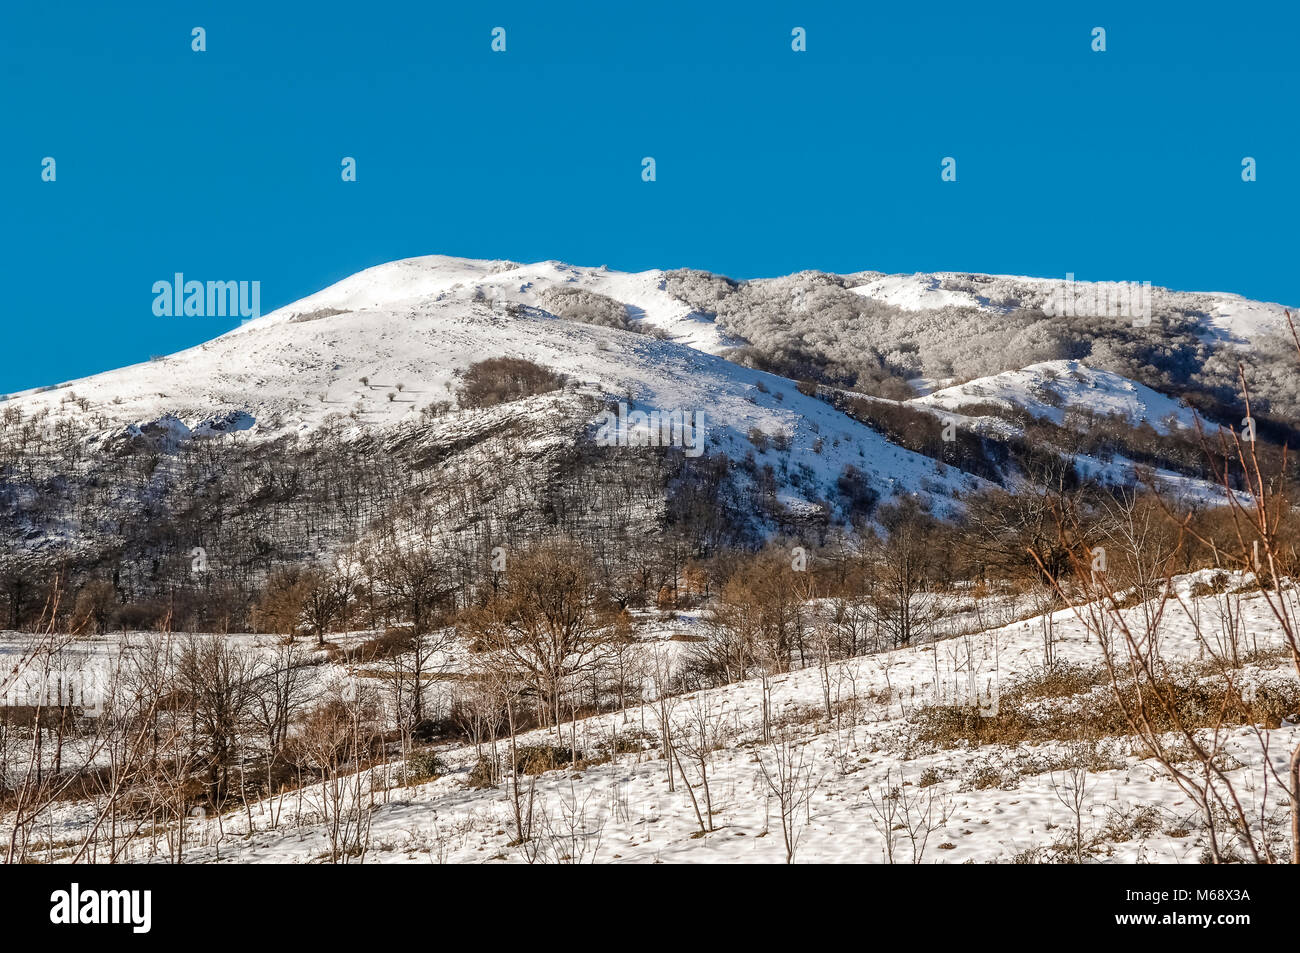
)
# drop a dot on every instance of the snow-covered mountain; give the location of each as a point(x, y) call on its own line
point(333, 456)
point(379, 357)
point(420, 321)
point(377, 348)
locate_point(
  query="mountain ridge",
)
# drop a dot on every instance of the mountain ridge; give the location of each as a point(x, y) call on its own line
point(379, 360)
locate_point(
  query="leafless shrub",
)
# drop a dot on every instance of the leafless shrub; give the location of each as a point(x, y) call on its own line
point(791, 778)
point(906, 819)
point(499, 380)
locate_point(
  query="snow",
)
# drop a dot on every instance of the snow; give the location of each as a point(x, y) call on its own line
point(421, 322)
point(992, 802)
point(459, 279)
point(1047, 390)
point(1226, 318)
point(1236, 320)
point(418, 324)
point(922, 292)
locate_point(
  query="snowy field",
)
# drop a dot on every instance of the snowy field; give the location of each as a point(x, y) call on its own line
point(955, 803)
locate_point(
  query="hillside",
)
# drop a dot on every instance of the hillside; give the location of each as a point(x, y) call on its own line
point(970, 748)
point(483, 561)
point(378, 360)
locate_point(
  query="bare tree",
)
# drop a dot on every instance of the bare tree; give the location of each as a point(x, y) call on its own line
point(904, 574)
point(280, 609)
point(337, 738)
point(281, 687)
point(792, 779)
point(1192, 750)
point(325, 600)
point(1071, 789)
point(899, 814)
point(546, 621)
point(701, 732)
point(663, 673)
point(220, 681)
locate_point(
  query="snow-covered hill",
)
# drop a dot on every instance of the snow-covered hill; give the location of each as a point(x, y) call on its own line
point(423, 319)
point(378, 348)
point(1049, 389)
point(375, 350)
point(922, 292)
point(331, 426)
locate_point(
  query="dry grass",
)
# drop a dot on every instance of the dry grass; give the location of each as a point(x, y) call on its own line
point(1073, 703)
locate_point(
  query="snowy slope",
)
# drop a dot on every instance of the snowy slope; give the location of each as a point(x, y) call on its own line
point(992, 802)
point(447, 279)
point(278, 374)
point(922, 292)
point(1049, 389)
point(989, 407)
point(420, 322)
point(1237, 320)
point(432, 287)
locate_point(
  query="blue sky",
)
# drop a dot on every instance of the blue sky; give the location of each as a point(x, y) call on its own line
point(224, 165)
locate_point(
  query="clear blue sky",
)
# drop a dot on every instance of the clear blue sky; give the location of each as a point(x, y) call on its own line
point(1122, 165)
